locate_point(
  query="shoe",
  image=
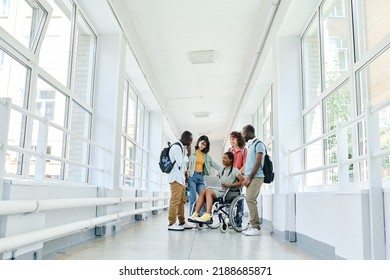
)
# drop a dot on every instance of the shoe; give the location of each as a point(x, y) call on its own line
point(206, 218)
point(243, 232)
point(175, 227)
point(252, 232)
point(193, 217)
point(186, 226)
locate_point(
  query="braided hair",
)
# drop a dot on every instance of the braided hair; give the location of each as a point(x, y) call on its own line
point(231, 157)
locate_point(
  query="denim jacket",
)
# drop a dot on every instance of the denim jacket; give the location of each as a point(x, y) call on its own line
point(208, 163)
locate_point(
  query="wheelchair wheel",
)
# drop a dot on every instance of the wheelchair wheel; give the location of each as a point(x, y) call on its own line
point(214, 216)
point(239, 214)
point(199, 226)
point(223, 227)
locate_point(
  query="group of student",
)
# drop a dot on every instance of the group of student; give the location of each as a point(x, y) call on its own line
point(242, 167)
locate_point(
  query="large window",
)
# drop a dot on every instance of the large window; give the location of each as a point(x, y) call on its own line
point(23, 20)
point(60, 95)
point(57, 42)
point(336, 36)
point(262, 121)
point(333, 98)
point(311, 62)
point(374, 89)
point(372, 23)
point(135, 135)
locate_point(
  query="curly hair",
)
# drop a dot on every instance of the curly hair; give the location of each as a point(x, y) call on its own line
point(240, 139)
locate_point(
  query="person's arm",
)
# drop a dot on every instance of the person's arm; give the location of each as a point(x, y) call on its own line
point(244, 160)
point(259, 158)
point(214, 165)
point(236, 184)
point(177, 155)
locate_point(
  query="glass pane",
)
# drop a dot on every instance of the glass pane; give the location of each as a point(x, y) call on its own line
point(311, 63)
point(13, 163)
point(124, 114)
point(56, 44)
point(374, 84)
point(373, 23)
point(146, 130)
point(131, 113)
point(144, 170)
point(384, 126)
point(50, 103)
point(130, 151)
point(80, 120)
point(140, 122)
point(13, 77)
point(337, 107)
point(53, 169)
point(138, 165)
point(55, 142)
point(16, 131)
point(78, 152)
point(85, 55)
point(76, 173)
point(260, 120)
point(336, 36)
point(267, 104)
point(22, 19)
point(314, 178)
point(312, 124)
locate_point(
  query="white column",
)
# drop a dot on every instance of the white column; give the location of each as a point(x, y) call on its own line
point(377, 227)
point(108, 107)
point(287, 128)
point(5, 111)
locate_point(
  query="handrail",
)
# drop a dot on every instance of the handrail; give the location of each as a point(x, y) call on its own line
point(352, 121)
point(320, 168)
point(10, 207)
point(11, 243)
point(322, 136)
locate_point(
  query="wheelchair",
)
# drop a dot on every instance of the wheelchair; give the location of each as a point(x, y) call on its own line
point(228, 210)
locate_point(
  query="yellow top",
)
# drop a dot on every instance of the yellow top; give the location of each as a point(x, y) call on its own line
point(199, 161)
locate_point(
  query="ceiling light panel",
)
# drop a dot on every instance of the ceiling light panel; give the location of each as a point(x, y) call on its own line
point(200, 57)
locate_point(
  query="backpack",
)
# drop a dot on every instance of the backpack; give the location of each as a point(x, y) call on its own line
point(268, 167)
point(165, 162)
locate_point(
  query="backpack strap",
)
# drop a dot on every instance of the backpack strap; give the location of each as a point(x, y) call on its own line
point(265, 147)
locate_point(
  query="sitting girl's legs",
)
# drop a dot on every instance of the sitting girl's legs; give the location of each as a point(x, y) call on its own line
point(209, 196)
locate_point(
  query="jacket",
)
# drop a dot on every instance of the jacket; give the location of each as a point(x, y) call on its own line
point(208, 163)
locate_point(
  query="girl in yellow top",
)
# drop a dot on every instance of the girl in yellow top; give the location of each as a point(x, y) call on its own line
point(200, 164)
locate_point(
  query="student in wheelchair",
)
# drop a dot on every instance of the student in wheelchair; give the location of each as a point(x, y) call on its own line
point(231, 179)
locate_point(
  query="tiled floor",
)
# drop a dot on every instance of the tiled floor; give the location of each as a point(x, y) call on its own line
point(150, 240)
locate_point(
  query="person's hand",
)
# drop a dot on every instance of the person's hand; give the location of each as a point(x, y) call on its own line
point(188, 150)
point(224, 185)
point(246, 182)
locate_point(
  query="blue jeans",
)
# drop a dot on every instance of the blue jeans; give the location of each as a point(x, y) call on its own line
point(195, 185)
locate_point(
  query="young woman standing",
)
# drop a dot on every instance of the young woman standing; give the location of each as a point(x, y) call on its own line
point(200, 164)
point(238, 149)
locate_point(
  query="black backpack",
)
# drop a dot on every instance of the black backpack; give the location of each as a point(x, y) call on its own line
point(268, 167)
point(165, 163)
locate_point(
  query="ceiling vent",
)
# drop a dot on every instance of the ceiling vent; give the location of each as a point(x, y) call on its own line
point(199, 57)
point(201, 114)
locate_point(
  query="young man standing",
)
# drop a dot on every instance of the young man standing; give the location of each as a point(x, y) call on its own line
point(179, 154)
point(254, 177)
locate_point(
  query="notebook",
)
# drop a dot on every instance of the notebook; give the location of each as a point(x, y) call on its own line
point(212, 182)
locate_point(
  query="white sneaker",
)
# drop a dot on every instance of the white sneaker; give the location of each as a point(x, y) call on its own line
point(243, 232)
point(186, 226)
point(252, 232)
point(175, 227)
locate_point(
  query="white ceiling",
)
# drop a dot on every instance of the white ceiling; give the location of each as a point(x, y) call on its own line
point(169, 29)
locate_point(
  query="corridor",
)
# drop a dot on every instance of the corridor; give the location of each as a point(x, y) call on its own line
point(150, 240)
